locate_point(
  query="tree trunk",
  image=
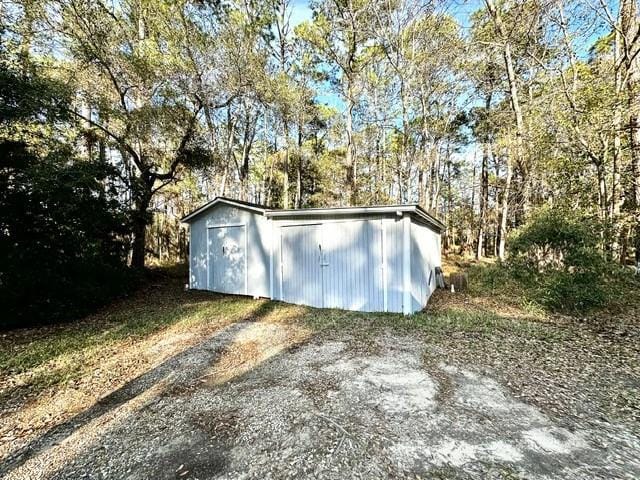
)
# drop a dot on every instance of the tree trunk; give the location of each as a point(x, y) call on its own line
point(140, 220)
point(422, 187)
point(602, 189)
point(298, 201)
point(434, 194)
point(504, 212)
point(517, 112)
point(630, 27)
point(285, 167)
point(484, 198)
point(617, 197)
point(350, 160)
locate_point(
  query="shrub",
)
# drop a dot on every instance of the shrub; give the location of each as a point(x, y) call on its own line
point(63, 241)
point(556, 257)
point(63, 230)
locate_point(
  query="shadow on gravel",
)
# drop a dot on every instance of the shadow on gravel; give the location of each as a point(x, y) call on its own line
point(133, 389)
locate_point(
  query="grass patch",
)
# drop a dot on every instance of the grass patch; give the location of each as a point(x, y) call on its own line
point(432, 322)
point(49, 356)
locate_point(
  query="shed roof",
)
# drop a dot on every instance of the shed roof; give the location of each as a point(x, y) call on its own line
point(229, 201)
point(413, 209)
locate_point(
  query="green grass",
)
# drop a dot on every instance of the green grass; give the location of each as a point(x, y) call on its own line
point(54, 355)
point(608, 290)
point(434, 323)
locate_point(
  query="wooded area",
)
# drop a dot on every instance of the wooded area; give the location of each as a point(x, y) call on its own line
point(118, 118)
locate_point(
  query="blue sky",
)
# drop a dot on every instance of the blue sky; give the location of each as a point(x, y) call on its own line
point(300, 12)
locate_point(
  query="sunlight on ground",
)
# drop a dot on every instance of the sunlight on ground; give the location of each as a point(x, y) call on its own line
point(255, 344)
point(115, 379)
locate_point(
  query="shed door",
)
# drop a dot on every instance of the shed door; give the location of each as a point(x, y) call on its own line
point(301, 274)
point(227, 259)
point(334, 265)
point(352, 269)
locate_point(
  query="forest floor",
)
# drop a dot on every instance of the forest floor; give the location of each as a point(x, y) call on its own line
point(173, 384)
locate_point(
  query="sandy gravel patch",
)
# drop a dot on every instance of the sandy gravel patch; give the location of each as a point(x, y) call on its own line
point(261, 400)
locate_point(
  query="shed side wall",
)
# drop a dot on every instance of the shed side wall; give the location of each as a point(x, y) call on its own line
point(393, 244)
point(258, 245)
point(425, 257)
point(198, 254)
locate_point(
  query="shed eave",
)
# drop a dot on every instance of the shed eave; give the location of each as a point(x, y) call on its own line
point(422, 213)
point(227, 201)
point(339, 211)
point(385, 209)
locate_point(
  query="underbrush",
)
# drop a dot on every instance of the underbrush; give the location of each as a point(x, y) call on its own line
point(556, 263)
point(557, 291)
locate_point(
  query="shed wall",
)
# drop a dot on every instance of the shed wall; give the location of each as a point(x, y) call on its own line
point(393, 247)
point(425, 257)
point(363, 253)
point(359, 258)
point(258, 247)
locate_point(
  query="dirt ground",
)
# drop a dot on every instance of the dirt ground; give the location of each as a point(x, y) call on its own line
point(260, 400)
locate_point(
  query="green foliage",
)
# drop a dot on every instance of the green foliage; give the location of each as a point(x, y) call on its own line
point(62, 232)
point(560, 237)
point(556, 263)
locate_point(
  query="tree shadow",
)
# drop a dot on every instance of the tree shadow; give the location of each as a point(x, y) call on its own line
point(147, 312)
point(212, 348)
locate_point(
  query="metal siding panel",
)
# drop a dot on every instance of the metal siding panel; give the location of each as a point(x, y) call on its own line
point(257, 248)
point(427, 246)
point(198, 256)
point(301, 269)
point(227, 259)
point(352, 276)
point(394, 264)
point(418, 297)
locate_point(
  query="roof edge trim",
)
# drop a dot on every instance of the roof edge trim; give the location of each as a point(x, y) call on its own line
point(412, 208)
point(228, 201)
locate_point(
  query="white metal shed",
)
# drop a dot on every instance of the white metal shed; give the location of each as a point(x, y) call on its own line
point(375, 259)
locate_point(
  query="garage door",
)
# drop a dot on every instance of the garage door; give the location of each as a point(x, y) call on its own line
point(334, 265)
point(227, 259)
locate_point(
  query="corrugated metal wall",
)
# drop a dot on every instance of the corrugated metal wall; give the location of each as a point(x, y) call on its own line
point(301, 264)
point(333, 262)
point(257, 250)
point(352, 275)
point(352, 265)
point(425, 257)
point(393, 244)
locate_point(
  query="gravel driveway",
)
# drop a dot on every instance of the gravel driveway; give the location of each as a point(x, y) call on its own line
point(264, 400)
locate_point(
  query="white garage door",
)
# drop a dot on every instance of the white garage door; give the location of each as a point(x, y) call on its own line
point(227, 259)
point(334, 265)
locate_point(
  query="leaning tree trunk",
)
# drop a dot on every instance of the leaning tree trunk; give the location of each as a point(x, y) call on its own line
point(140, 219)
